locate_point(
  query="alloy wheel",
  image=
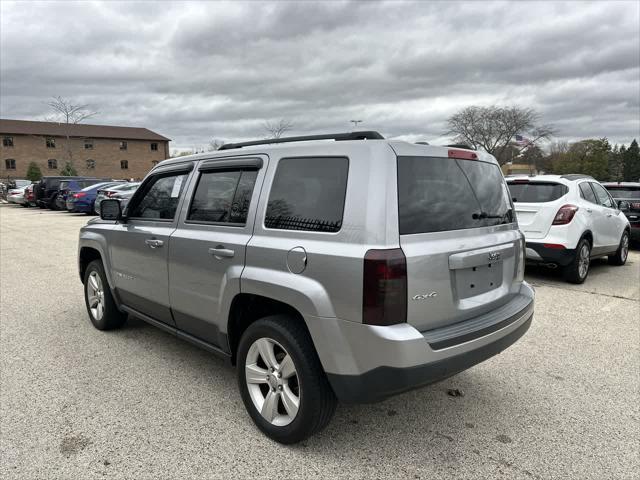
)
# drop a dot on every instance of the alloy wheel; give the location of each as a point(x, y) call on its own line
point(624, 248)
point(95, 295)
point(272, 381)
point(583, 261)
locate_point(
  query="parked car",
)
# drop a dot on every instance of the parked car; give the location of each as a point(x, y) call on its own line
point(16, 195)
point(354, 270)
point(68, 187)
point(121, 192)
point(627, 194)
point(29, 198)
point(83, 201)
point(567, 221)
point(46, 190)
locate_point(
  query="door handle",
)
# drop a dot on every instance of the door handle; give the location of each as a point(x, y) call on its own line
point(609, 214)
point(589, 210)
point(153, 243)
point(220, 252)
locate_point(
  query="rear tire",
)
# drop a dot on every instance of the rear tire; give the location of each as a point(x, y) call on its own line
point(578, 270)
point(620, 257)
point(101, 307)
point(283, 336)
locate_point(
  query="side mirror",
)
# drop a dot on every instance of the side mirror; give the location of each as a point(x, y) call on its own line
point(110, 209)
point(623, 205)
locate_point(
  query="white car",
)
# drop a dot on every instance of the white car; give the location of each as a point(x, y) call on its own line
point(16, 195)
point(567, 220)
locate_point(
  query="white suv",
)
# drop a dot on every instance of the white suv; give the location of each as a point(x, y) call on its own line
point(568, 220)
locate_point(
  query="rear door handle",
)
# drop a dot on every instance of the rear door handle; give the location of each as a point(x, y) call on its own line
point(153, 243)
point(589, 210)
point(221, 252)
point(609, 214)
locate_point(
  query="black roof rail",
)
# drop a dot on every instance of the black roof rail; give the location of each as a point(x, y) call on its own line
point(460, 145)
point(575, 176)
point(368, 135)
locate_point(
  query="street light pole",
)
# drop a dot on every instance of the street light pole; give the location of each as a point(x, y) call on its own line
point(355, 123)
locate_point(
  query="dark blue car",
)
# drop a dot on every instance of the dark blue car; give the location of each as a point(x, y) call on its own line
point(82, 201)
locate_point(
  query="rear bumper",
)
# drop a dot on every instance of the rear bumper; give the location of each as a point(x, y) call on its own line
point(367, 363)
point(537, 252)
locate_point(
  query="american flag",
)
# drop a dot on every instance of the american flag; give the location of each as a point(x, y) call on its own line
point(522, 141)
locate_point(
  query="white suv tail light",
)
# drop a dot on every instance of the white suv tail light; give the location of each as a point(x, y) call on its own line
point(565, 215)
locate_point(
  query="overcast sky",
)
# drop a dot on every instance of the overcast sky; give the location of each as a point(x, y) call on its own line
point(195, 71)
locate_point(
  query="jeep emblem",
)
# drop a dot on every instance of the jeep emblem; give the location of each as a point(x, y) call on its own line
point(493, 256)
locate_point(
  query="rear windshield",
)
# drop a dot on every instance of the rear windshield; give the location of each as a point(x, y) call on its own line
point(536, 192)
point(439, 194)
point(624, 192)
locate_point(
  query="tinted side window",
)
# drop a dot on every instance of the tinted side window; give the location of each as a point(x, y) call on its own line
point(602, 195)
point(223, 197)
point(308, 194)
point(160, 197)
point(587, 193)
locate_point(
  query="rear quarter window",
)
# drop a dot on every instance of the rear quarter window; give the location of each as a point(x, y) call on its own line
point(536, 192)
point(308, 194)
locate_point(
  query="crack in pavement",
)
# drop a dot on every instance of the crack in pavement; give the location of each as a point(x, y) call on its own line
point(545, 284)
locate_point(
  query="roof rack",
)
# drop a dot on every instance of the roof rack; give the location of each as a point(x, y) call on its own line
point(575, 176)
point(368, 135)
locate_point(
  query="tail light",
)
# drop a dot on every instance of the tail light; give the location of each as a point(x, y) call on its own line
point(79, 195)
point(565, 215)
point(384, 294)
point(109, 194)
point(635, 206)
point(520, 257)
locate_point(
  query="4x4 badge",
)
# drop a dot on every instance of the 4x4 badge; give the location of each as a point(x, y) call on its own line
point(425, 296)
point(494, 256)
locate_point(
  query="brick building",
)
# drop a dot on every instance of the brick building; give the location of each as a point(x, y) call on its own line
point(95, 150)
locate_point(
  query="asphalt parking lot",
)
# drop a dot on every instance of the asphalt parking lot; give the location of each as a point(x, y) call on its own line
point(564, 402)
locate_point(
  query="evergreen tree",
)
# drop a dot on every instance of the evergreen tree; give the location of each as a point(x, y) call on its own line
point(33, 172)
point(631, 159)
point(69, 170)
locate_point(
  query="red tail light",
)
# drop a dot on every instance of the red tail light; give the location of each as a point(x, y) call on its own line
point(110, 194)
point(635, 206)
point(79, 195)
point(384, 294)
point(565, 214)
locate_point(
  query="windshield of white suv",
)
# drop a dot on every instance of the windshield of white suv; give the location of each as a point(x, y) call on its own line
point(438, 194)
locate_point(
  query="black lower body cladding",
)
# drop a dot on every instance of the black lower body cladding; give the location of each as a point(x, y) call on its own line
point(382, 382)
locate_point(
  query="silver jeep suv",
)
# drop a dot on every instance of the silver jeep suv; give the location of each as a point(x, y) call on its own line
point(331, 267)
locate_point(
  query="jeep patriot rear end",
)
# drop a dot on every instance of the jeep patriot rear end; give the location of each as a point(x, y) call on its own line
point(340, 267)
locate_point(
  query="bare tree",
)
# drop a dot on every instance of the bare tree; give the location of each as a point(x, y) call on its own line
point(214, 144)
point(494, 128)
point(277, 129)
point(66, 113)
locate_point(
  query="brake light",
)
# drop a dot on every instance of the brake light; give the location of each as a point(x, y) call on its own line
point(462, 154)
point(384, 293)
point(565, 215)
point(520, 180)
point(635, 206)
point(79, 195)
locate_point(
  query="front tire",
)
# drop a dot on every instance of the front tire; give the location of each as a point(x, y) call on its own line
point(101, 307)
point(620, 257)
point(578, 270)
point(281, 380)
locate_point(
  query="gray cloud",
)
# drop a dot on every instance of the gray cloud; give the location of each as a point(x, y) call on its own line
point(193, 71)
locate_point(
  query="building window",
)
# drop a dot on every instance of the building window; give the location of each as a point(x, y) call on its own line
point(52, 163)
point(154, 162)
point(124, 164)
point(154, 147)
point(10, 163)
point(91, 164)
point(123, 145)
point(51, 142)
point(7, 141)
point(88, 144)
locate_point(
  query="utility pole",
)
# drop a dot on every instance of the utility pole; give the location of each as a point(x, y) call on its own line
point(355, 123)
